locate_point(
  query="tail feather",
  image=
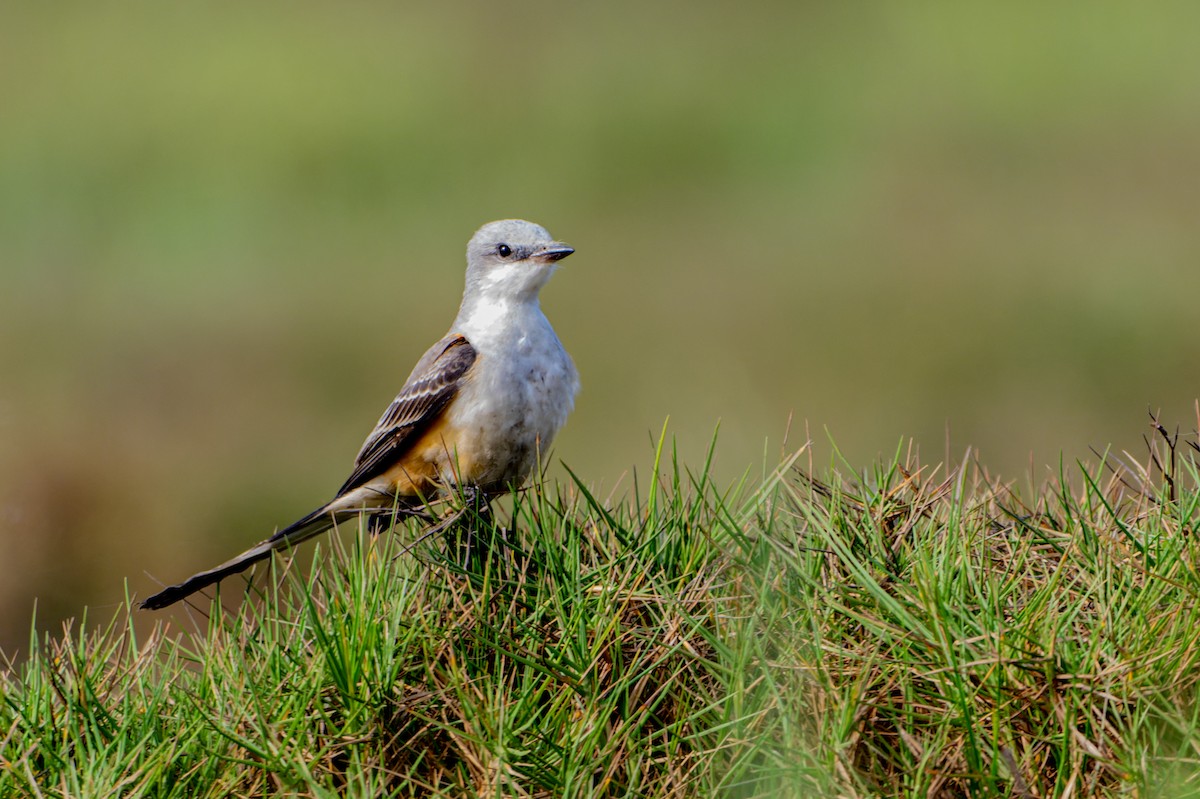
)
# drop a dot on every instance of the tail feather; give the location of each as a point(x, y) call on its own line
point(314, 523)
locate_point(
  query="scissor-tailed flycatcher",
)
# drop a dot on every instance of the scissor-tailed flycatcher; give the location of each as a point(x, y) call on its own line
point(479, 410)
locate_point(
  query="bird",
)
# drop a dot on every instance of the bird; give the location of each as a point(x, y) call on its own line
point(478, 412)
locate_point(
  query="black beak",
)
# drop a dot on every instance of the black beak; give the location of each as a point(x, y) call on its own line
point(553, 252)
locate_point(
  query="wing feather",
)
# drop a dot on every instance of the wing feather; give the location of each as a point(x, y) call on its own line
point(428, 390)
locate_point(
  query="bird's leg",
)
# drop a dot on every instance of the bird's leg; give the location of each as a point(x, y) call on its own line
point(467, 539)
point(481, 506)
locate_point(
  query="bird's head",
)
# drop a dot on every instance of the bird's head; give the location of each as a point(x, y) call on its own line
point(512, 259)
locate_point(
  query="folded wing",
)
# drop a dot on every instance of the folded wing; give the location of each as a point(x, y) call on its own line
point(429, 389)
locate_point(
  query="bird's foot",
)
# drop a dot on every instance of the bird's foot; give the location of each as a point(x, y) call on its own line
point(467, 538)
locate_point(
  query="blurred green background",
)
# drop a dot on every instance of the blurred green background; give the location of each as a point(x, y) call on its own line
point(227, 231)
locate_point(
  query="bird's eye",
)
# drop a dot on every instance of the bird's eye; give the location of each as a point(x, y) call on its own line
point(504, 250)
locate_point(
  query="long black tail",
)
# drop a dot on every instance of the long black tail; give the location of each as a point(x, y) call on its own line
point(314, 523)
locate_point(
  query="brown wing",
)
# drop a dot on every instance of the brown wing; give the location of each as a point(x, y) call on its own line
point(430, 387)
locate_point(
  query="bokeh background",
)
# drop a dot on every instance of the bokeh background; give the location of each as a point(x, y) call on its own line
point(227, 230)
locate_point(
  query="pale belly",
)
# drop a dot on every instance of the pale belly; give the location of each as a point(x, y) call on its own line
point(506, 417)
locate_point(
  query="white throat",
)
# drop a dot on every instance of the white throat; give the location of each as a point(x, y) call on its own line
point(488, 322)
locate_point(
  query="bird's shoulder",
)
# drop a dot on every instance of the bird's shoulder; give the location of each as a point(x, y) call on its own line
point(446, 360)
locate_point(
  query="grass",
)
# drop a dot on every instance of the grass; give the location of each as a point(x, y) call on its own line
point(901, 632)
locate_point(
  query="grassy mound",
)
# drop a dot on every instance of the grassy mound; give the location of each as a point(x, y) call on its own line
point(906, 632)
